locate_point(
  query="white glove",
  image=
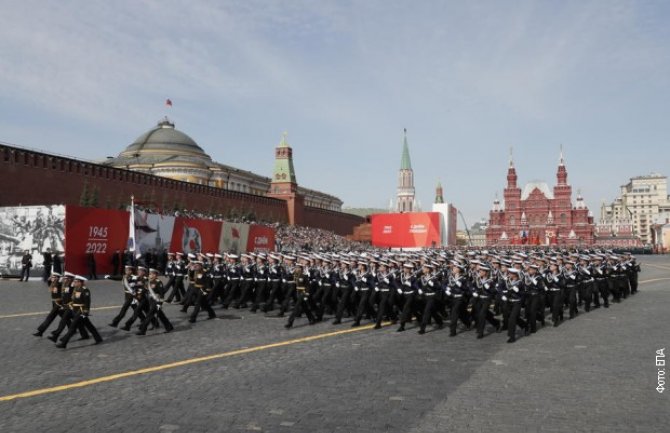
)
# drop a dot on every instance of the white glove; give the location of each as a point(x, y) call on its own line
point(555, 279)
point(448, 292)
point(356, 288)
point(408, 284)
point(399, 292)
point(364, 279)
point(475, 295)
point(515, 289)
point(283, 280)
point(459, 284)
point(420, 292)
point(573, 277)
point(486, 286)
point(386, 280)
point(376, 289)
point(337, 285)
point(320, 284)
point(430, 283)
point(504, 298)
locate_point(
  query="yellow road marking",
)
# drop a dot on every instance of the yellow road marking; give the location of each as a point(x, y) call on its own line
point(653, 281)
point(39, 313)
point(657, 266)
point(185, 362)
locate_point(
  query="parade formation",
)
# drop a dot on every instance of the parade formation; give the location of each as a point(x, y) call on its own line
point(515, 291)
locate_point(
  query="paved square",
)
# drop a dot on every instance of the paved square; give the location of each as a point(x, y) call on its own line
point(245, 372)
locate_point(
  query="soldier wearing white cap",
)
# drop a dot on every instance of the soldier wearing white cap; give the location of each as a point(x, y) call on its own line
point(484, 293)
point(141, 299)
point(202, 285)
point(302, 303)
point(180, 269)
point(515, 299)
point(67, 289)
point(156, 292)
point(408, 291)
point(345, 288)
point(246, 282)
point(128, 282)
point(458, 292)
point(275, 275)
point(234, 280)
point(56, 304)
point(260, 283)
point(81, 307)
point(288, 284)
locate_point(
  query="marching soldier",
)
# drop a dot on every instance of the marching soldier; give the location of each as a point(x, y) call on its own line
point(56, 305)
point(364, 287)
point(140, 299)
point(202, 286)
point(386, 284)
point(408, 292)
point(80, 306)
point(128, 281)
point(67, 288)
point(458, 289)
point(156, 291)
point(430, 290)
point(554, 287)
point(514, 298)
point(302, 304)
point(484, 293)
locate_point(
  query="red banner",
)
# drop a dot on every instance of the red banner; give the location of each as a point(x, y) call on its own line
point(93, 234)
point(406, 230)
point(261, 239)
point(191, 235)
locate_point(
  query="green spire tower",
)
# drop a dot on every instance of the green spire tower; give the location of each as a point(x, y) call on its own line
point(406, 201)
point(283, 177)
point(439, 197)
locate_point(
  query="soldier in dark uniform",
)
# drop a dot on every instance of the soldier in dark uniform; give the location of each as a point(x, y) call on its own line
point(66, 318)
point(364, 286)
point(56, 306)
point(179, 269)
point(327, 300)
point(586, 281)
point(572, 280)
point(274, 283)
point(81, 306)
point(288, 284)
point(555, 283)
point(217, 272)
point(170, 272)
point(246, 282)
point(156, 292)
point(234, 276)
point(600, 275)
point(484, 293)
point(140, 299)
point(458, 290)
point(409, 295)
point(128, 281)
point(386, 285)
point(345, 286)
point(534, 286)
point(431, 292)
point(202, 286)
point(302, 304)
point(261, 282)
point(515, 300)
point(633, 270)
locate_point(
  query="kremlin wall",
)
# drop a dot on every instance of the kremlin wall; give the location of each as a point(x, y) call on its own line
point(165, 169)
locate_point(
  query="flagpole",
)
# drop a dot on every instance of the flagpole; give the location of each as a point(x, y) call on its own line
point(131, 225)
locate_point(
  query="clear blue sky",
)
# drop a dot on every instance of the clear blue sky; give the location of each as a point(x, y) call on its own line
point(467, 79)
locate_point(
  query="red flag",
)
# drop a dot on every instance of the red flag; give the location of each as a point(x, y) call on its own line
point(168, 102)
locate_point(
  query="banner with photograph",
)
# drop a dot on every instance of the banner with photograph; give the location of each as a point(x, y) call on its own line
point(194, 235)
point(234, 237)
point(32, 229)
point(153, 233)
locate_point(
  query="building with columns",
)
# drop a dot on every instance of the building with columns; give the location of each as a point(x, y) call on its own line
point(168, 152)
point(539, 215)
point(638, 206)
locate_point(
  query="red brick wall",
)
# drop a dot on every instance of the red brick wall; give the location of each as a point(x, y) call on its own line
point(338, 222)
point(32, 178)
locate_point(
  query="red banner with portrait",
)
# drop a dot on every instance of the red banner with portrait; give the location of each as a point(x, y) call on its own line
point(406, 230)
point(93, 234)
point(194, 235)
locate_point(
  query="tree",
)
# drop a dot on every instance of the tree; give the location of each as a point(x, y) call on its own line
point(94, 197)
point(84, 199)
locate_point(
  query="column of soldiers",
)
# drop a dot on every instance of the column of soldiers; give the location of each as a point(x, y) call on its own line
point(509, 291)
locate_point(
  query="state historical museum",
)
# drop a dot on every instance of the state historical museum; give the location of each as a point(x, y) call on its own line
point(537, 215)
